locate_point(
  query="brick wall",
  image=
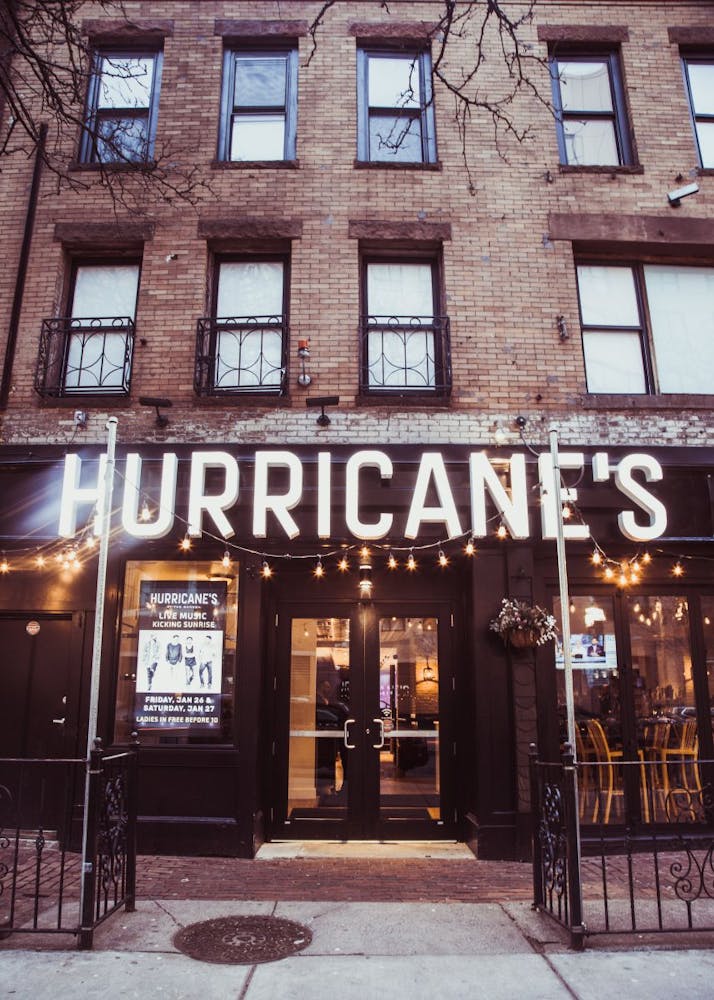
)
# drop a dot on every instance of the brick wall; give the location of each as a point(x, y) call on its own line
point(506, 276)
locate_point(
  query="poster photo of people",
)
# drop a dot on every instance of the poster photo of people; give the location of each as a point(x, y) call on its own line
point(180, 654)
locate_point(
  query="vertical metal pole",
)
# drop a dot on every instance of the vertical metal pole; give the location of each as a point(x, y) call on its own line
point(564, 595)
point(576, 901)
point(104, 520)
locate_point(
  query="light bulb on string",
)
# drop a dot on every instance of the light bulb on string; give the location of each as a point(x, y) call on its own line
point(319, 569)
point(40, 561)
point(185, 543)
point(226, 560)
point(74, 560)
point(343, 565)
point(411, 562)
point(596, 558)
point(266, 570)
point(391, 561)
point(470, 548)
point(443, 561)
point(646, 558)
point(364, 552)
point(678, 569)
point(90, 542)
point(567, 512)
point(609, 572)
point(501, 531)
point(145, 514)
point(4, 565)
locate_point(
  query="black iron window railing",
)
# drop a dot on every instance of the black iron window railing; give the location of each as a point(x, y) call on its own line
point(81, 355)
point(405, 354)
point(241, 355)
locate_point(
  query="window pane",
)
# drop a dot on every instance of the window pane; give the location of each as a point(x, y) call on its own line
point(607, 296)
point(585, 86)
point(701, 82)
point(665, 704)
point(122, 139)
point(125, 82)
point(708, 622)
point(399, 290)
point(705, 133)
point(681, 305)
point(395, 138)
point(105, 290)
point(394, 82)
point(590, 142)
point(400, 359)
point(258, 137)
point(250, 288)
point(613, 361)
point(260, 82)
point(95, 360)
point(249, 358)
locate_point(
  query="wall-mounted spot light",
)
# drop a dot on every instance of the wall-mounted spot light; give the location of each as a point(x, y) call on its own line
point(159, 403)
point(322, 401)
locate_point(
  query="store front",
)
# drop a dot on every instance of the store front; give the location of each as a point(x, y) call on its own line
point(300, 639)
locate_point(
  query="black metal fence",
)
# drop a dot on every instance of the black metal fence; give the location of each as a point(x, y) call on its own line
point(53, 880)
point(617, 850)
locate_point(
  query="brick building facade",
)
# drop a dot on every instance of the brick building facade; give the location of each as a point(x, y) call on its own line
point(439, 302)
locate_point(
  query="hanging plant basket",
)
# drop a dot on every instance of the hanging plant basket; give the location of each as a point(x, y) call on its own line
point(523, 626)
point(523, 638)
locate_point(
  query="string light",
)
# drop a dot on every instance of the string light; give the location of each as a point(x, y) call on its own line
point(391, 561)
point(470, 548)
point(185, 543)
point(319, 569)
point(90, 542)
point(226, 560)
point(678, 569)
point(646, 558)
point(443, 561)
point(40, 561)
point(4, 565)
point(343, 565)
point(266, 571)
point(364, 552)
point(596, 558)
point(502, 531)
point(145, 514)
point(411, 562)
point(567, 512)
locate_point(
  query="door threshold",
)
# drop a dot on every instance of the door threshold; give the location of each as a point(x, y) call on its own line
point(438, 850)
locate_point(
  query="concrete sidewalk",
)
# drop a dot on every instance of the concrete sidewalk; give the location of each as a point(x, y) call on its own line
point(404, 951)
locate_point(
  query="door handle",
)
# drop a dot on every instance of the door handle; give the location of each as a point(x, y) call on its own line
point(58, 722)
point(350, 746)
point(380, 723)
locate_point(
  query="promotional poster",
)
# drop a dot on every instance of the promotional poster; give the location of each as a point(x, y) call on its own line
point(180, 654)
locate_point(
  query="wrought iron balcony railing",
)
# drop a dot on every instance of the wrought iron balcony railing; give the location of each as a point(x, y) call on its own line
point(238, 355)
point(85, 356)
point(404, 355)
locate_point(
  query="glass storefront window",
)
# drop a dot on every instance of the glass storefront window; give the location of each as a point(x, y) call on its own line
point(176, 653)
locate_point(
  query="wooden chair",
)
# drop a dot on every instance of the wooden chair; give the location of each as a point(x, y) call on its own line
point(609, 775)
point(680, 761)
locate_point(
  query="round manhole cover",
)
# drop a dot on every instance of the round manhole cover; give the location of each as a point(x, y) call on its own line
point(242, 940)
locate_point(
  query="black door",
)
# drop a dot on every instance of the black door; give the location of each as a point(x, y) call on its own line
point(39, 707)
point(364, 745)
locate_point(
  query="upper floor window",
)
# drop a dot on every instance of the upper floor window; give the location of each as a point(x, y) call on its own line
point(242, 346)
point(395, 110)
point(404, 341)
point(122, 106)
point(259, 105)
point(647, 328)
point(700, 85)
point(590, 107)
point(89, 351)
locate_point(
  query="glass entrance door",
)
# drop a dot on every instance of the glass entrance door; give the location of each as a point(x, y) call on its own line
point(362, 696)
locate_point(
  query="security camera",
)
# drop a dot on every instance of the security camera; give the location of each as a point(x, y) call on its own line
point(675, 197)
